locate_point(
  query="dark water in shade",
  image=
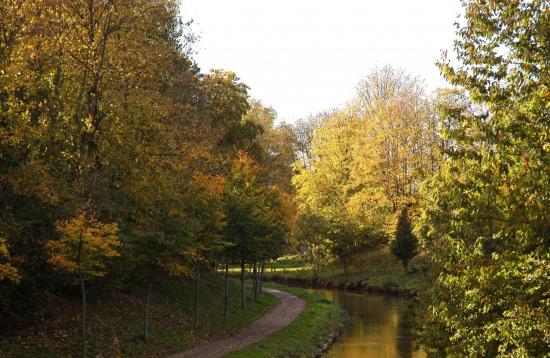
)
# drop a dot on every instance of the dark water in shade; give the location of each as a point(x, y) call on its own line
point(377, 329)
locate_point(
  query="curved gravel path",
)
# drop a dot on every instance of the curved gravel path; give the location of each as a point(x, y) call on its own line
point(271, 322)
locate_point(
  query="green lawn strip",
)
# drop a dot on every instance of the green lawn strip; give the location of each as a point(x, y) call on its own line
point(320, 321)
point(378, 268)
point(117, 322)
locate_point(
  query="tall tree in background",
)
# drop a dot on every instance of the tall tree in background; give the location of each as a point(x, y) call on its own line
point(359, 166)
point(486, 216)
point(327, 189)
point(275, 146)
point(401, 141)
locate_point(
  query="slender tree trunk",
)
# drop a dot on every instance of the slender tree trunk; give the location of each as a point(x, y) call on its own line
point(146, 322)
point(226, 295)
point(83, 295)
point(243, 291)
point(262, 266)
point(197, 286)
point(83, 314)
point(255, 274)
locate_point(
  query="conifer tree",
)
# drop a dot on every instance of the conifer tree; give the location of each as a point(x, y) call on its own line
point(405, 245)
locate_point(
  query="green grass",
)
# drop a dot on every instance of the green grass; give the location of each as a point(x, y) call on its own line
point(378, 268)
point(117, 322)
point(285, 263)
point(305, 336)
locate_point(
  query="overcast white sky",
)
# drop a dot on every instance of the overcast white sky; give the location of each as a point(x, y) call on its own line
point(305, 56)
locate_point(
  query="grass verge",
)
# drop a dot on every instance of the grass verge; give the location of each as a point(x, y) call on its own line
point(116, 322)
point(306, 336)
point(378, 268)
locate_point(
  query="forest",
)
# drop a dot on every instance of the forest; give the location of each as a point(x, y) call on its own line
point(123, 164)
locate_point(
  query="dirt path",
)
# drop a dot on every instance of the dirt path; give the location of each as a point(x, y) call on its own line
point(271, 322)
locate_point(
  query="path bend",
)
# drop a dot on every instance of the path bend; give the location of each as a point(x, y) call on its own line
point(279, 317)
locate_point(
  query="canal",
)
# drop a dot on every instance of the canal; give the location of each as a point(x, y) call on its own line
point(378, 327)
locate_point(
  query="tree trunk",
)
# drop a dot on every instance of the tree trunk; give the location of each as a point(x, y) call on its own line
point(83, 314)
point(226, 295)
point(197, 286)
point(83, 295)
point(262, 266)
point(243, 291)
point(146, 322)
point(255, 281)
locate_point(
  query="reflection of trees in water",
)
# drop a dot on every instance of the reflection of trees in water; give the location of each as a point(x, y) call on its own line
point(404, 340)
point(379, 327)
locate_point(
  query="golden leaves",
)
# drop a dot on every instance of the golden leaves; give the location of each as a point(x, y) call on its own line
point(84, 245)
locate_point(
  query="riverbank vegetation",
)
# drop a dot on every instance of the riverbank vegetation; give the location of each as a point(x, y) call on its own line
point(470, 164)
point(310, 334)
point(377, 270)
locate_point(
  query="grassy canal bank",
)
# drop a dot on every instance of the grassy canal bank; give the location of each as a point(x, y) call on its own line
point(377, 271)
point(310, 334)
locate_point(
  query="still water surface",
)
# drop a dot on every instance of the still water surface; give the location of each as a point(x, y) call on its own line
point(378, 327)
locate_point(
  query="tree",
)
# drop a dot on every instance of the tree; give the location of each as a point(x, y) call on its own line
point(241, 194)
point(311, 234)
point(401, 145)
point(256, 223)
point(353, 213)
point(83, 248)
point(274, 148)
point(405, 244)
point(485, 218)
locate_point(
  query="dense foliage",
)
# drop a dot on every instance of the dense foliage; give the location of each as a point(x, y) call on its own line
point(486, 216)
point(361, 165)
point(119, 159)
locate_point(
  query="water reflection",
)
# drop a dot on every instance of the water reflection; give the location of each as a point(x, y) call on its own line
point(378, 327)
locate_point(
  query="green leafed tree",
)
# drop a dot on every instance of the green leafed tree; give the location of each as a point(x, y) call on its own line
point(486, 215)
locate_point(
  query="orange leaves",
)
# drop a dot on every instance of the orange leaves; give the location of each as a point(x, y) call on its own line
point(211, 185)
point(84, 245)
point(7, 271)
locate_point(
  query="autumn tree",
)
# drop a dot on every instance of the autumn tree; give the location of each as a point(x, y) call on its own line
point(311, 233)
point(241, 192)
point(485, 219)
point(402, 141)
point(274, 148)
point(328, 189)
point(256, 223)
point(83, 248)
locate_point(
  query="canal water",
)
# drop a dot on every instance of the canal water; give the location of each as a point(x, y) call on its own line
point(378, 327)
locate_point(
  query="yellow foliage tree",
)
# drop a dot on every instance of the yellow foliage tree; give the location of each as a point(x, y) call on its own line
point(82, 249)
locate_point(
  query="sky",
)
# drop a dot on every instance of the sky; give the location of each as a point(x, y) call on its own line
point(305, 56)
